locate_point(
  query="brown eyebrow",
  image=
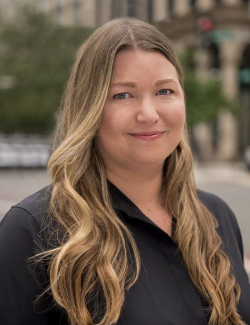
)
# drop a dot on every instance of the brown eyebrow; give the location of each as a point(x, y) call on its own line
point(164, 81)
point(125, 84)
point(133, 84)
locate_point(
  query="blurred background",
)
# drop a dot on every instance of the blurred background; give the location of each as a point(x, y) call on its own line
point(38, 44)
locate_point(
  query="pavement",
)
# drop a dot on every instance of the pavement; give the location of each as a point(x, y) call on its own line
point(229, 181)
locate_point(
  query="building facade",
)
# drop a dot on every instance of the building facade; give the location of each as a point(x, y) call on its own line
point(10, 9)
point(226, 56)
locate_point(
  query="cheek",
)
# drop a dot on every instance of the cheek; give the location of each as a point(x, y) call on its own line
point(115, 120)
point(108, 123)
point(177, 116)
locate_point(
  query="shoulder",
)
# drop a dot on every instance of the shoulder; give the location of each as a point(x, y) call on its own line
point(228, 227)
point(24, 279)
point(230, 234)
point(27, 219)
point(218, 208)
point(37, 204)
point(212, 201)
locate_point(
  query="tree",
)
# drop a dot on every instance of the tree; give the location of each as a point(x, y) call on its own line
point(36, 55)
point(204, 99)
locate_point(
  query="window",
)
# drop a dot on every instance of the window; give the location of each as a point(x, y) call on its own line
point(42, 5)
point(192, 3)
point(58, 11)
point(150, 10)
point(77, 13)
point(171, 7)
point(131, 8)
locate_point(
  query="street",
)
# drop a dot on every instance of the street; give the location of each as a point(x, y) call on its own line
point(230, 182)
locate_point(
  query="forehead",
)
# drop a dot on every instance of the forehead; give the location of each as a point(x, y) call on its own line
point(134, 63)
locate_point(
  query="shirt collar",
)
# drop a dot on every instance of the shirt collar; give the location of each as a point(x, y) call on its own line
point(122, 203)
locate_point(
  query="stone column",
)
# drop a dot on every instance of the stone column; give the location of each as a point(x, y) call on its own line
point(204, 5)
point(160, 10)
point(142, 9)
point(230, 54)
point(119, 8)
point(181, 7)
point(202, 60)
point(202, 131)
point(106, 11)
point(103, 12)
point(50, 6)
point(67, 14)
point(231, 2)
point(88, 13)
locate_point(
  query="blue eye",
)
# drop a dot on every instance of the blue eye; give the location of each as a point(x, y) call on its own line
point(165, 92)
point(121, 96)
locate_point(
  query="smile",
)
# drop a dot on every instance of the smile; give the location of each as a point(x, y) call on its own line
point(148, 135)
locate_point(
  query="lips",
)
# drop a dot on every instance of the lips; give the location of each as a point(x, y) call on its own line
point(148, 135)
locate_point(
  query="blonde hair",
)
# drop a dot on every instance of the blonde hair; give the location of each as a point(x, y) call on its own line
point(94, 260)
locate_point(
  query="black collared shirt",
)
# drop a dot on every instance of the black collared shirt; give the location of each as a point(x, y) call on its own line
point(164, 293)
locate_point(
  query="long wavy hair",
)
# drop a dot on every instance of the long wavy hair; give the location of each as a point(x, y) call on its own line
point(97, 259)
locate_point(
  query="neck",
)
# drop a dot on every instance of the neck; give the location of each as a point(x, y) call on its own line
point(144, 189)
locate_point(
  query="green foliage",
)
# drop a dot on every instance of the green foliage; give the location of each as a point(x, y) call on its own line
point(204, 99)
point(38, 55)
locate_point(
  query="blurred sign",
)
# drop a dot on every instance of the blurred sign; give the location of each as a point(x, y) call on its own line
point(245, 76)
point(219, 36)
point(205, 24)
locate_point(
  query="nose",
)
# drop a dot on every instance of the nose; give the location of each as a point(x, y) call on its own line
point(147, 112)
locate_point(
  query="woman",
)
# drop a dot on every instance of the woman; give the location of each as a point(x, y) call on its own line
point(122, 236)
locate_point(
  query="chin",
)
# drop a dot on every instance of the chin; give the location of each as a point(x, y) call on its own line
point(149, 162)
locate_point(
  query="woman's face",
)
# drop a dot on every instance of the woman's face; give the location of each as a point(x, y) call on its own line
point(144, 116)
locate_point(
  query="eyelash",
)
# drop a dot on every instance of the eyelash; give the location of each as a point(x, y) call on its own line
point(171, 91)
point(116, 95)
